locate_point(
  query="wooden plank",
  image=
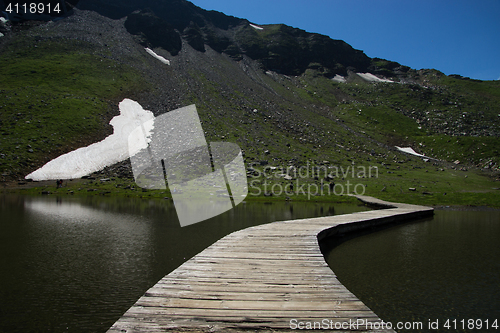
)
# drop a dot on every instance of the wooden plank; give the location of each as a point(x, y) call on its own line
point(257, 267)
point(266, 276)
point(243, 295)
point(211, 285)
point(250, 314)
point(216, 323)
point(240, 280)
point(258, 255)
point(306, 262)
point(299, 305)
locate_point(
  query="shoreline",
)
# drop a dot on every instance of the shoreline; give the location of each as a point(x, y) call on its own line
point(124, 187)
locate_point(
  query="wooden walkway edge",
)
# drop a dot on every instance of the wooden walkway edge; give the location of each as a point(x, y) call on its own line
point(270, 277)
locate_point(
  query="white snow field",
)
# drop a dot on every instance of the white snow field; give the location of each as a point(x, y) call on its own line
point(111, 150)
point(410, 151)
point(159, 57)
point(256, 27)
point(339, 78)
point(372, 78)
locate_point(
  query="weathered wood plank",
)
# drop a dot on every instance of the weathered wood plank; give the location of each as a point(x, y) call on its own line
point(215, 324)
point(243, 295)
point(298, 305)
point(250, 314)
point(256, 268)
point(249, 287)
point(241, 280)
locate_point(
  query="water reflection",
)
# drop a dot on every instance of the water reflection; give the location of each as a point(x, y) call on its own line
point(77, 264)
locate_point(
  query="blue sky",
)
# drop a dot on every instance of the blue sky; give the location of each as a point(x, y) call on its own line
point(453, 36)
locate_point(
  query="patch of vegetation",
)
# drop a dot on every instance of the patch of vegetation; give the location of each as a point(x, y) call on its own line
point(55, 96)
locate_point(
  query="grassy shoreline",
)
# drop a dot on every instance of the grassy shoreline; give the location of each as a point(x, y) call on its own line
point(124, 187)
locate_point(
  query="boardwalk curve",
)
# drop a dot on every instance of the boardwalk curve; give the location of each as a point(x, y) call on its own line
point(271, 276)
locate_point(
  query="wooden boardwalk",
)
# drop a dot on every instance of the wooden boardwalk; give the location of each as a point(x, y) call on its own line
point(271, 276)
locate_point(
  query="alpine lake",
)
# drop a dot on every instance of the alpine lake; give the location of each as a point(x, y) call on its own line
point(76, 264)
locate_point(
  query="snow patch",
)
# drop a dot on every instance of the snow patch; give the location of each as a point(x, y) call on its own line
point(159, 57)
point(372, 78)
point(410, 151)
point(97, 156)
point(256, 27)
point(339, 78)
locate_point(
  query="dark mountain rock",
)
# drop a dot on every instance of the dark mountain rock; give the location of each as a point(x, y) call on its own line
point(179, 13)
point(291, 51)
point(152, 31)
point(387, 68)
point(278, 48)
point(114, 9)
point(194, 36)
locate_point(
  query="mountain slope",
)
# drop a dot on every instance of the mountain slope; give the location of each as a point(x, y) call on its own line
point(275, 91)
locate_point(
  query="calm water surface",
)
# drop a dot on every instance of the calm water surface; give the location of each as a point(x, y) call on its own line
point(77, 264)
point(447, 267)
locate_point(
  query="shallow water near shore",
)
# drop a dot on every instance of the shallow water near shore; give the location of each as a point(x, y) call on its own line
point(77, 264)
point(442, 269)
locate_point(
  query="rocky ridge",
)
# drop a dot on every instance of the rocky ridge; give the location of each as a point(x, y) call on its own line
point(278, 48)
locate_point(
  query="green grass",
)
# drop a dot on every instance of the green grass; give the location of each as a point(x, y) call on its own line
point(54, 98)
point(434, 186)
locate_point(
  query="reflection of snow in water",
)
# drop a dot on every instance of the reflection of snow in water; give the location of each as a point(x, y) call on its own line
point(67, 211)
point(97, 156)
